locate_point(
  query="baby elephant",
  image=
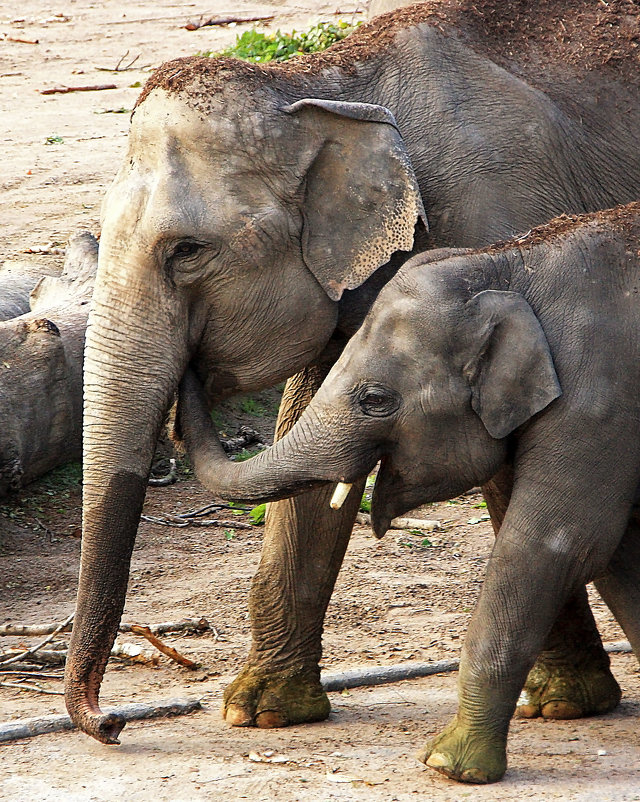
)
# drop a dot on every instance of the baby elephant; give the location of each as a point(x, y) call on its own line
point(525, 354)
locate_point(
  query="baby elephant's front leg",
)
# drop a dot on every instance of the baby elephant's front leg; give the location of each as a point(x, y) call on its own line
point(528, 580)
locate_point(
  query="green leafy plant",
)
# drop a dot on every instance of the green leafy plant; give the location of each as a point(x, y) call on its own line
point(229, 534)
point(257, 514)
point(259, 47)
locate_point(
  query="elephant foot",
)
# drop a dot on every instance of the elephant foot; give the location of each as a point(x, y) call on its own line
point(562, 690)
point(466, 755)
point(258, 698)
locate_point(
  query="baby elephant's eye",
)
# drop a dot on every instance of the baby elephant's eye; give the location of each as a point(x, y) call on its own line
point(378, 401)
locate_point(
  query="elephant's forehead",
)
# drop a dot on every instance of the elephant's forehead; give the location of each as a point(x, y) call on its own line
point(182, 165)
point(167, 131)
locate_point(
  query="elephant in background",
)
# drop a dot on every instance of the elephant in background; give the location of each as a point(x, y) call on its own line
point(525, 355)
point(257, 214)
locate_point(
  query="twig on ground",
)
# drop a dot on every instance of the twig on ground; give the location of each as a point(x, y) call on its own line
point(23, 686)
point(63, 90)
point(119, 67)
point(194, 26)
point(34, 674)
point(163, 481)
point(20, 41)
point(29, 727)
point(31, 651)
point(169, 651)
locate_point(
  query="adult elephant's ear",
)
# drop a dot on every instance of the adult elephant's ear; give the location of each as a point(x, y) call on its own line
point(511, 373)
point(361, 197)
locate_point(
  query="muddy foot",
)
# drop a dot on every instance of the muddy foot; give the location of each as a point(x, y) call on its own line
point(561, 691)
point(259, 699)
point(466, 757)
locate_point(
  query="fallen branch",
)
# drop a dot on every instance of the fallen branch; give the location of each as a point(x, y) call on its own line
point(63, 90)
point(46, 657)
point(31, 651)
point(425, 524)
point(187, 624)
point(169, 651)
point(29, 727)
point(245, 437)
point(194, 26)
point(165, 519)
point(380, 675)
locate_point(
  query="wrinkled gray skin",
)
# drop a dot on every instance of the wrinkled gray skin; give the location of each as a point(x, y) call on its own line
point(527, 357)
point(239, 217)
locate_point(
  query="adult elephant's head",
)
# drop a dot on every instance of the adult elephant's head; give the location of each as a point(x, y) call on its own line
point(229, 234)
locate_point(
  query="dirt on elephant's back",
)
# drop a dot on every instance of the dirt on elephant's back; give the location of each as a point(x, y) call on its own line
point(528, 39)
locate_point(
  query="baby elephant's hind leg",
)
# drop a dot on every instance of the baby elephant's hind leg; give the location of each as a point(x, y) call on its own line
point(620, 585)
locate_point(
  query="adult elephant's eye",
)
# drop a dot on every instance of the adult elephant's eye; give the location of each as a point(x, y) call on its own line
point(378, 401)
point(186, 249)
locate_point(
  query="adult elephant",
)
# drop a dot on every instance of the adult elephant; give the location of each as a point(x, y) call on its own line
point(248, 230)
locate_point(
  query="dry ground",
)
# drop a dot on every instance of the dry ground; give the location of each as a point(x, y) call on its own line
point(396, 600)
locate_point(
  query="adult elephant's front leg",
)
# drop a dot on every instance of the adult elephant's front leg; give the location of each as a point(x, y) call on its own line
point(572, 676)
point(304, 545)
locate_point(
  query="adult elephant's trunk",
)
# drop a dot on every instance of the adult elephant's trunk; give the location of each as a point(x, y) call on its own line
point(135, 354)
point(312, 453)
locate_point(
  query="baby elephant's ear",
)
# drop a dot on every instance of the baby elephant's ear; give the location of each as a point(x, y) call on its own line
point(361, 199)
point(511, 375)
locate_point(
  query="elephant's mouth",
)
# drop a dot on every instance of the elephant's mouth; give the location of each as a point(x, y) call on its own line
point(393, 495)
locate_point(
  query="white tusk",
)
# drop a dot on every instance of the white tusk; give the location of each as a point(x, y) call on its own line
point(339, 495)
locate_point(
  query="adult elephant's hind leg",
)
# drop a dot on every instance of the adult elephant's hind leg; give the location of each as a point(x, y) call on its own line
point(620, 585)
point(572, 676)
point(304, 545)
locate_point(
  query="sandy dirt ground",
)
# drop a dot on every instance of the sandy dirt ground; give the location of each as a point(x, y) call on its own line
point(403, 598)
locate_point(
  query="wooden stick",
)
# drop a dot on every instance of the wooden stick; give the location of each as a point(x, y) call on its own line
point(425, 524)
point(161, 647)
point(62, 90)
point(29, 727)
point(380, 675)
point(21, 41)
point(29, 652)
